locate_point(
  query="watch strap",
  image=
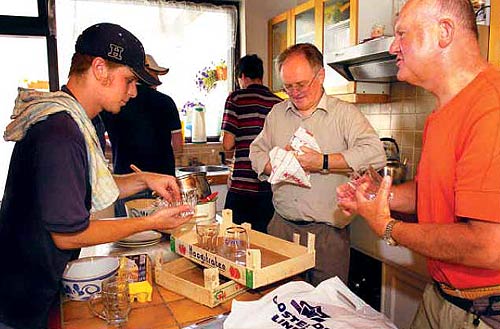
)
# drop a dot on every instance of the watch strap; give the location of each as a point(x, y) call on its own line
point(388, 232)
point(325, 161)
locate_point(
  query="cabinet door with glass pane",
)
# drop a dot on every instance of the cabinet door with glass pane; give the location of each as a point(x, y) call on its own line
point(279, 39)
point(304, 24)
point(336, 25)
point(338, 32)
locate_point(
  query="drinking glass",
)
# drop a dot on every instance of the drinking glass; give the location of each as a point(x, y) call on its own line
point(207, 232)
point(235, 244)
point(115, 301)
point(372, 177)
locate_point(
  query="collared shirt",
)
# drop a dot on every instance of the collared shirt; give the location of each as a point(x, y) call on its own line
point(338, 127)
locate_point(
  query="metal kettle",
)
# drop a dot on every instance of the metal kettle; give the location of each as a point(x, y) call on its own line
point(394, 167)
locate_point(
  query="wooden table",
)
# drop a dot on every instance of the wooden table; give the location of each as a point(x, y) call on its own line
point(167, 310)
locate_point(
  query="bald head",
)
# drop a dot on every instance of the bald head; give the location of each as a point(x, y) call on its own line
point(460, 11)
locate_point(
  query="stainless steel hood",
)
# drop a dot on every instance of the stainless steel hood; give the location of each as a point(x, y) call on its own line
point(366, 62)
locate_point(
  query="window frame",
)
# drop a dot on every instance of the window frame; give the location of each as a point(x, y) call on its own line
point(45, 25)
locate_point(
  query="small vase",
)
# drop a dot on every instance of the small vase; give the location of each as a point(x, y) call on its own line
point(221, 72)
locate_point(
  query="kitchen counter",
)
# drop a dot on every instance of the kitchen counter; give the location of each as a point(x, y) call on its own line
point(167, 310)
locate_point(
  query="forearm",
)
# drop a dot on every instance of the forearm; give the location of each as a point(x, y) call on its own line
point(101, 231)
point(130, 184)
point(228, 141)
point(473, 243)
point(404, 197)
point(177, 142)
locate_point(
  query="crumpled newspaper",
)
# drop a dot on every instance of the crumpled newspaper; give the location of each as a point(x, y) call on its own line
point(285, 166)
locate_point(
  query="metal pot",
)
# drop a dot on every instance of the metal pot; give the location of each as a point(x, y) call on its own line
point(196, 180)
point(396, 170)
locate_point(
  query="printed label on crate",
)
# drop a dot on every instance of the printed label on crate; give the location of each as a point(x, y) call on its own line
point(227, 268)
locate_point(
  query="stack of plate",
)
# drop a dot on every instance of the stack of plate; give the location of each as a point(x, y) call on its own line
point(141, 239)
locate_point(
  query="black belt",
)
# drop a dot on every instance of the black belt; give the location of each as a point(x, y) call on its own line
point(298, 222)
point(464, 304)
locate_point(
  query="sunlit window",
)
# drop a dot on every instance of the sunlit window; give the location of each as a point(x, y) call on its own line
point(25, 67)
point(19, 8)
point(190, 39)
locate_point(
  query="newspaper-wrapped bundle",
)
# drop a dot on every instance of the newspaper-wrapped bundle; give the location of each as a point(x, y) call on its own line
point(286, 168)
point(302, 137)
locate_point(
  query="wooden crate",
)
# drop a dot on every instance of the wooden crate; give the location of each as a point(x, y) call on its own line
point(203, 285)
point(268, 260)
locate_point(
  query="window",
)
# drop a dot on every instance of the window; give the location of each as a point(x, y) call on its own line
point(19, 8)
point(185, 37)
point(27, 68)
point(25, 60)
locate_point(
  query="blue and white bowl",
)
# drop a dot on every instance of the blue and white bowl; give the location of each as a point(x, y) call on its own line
point(83, 277)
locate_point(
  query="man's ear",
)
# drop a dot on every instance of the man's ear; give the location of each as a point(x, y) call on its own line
point(100, 69)
point(446, 32)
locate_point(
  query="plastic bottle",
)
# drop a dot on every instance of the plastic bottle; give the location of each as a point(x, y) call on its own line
point(199, 130)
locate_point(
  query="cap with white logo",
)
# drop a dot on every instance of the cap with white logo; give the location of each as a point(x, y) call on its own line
point(114, 43)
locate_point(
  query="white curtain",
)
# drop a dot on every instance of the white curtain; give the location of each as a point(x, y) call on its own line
point(182, 36)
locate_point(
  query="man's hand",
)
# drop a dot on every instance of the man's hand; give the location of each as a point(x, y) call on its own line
point(167, 218)
point(346, 199)
point(165, 185)
point(310, 160)
point(376, 212)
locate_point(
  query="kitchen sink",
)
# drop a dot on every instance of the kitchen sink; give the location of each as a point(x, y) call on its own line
point(207, 169)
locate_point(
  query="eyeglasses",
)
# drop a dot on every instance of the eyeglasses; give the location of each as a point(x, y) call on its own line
point(299, 86)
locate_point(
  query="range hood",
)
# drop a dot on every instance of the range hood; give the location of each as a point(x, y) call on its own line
point(367, 62)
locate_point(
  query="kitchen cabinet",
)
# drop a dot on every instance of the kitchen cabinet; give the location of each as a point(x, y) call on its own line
point(330, 25)
point(401, 294)
point(493, 41)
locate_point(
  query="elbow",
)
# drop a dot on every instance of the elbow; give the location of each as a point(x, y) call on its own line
point(64, 243)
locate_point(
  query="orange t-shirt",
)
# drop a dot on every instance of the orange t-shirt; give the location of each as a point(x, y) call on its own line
point(459, 170)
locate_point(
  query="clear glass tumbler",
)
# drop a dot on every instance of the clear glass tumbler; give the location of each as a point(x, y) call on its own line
point(235, 244)
point(207, 232)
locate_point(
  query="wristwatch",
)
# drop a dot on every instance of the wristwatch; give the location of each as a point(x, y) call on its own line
point(325, 169)
point(388, 232)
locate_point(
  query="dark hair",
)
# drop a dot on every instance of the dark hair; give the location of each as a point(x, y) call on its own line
point(80, 63)
point(310, 52)
point(251, 66)
point(462, 10)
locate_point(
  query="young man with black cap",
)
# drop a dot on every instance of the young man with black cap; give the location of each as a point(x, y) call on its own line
point(58, 176)
point(145, 133)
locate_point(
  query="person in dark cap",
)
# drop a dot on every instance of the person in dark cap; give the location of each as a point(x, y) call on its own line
point(145, 133)
point(58, 176)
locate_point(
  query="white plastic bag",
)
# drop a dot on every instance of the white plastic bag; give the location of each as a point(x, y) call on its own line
point(298, 304)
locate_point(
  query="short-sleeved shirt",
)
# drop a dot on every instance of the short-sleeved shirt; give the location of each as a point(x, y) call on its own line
point(47, 190)
point(244, 115)
point(459, 170)
point(141, 133)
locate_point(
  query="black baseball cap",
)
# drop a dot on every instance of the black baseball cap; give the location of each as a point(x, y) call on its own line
point(114, 43)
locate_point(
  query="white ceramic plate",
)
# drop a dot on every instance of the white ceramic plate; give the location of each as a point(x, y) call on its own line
point(140, 237)
point(137, 244)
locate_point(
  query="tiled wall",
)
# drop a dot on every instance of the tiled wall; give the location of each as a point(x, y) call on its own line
point(207, 154)
point(402, 119)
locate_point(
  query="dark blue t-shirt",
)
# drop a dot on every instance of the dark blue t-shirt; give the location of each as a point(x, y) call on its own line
point(141, 133)
point(47, 190)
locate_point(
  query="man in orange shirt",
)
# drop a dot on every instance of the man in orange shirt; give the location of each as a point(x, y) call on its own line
point(457, 190)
